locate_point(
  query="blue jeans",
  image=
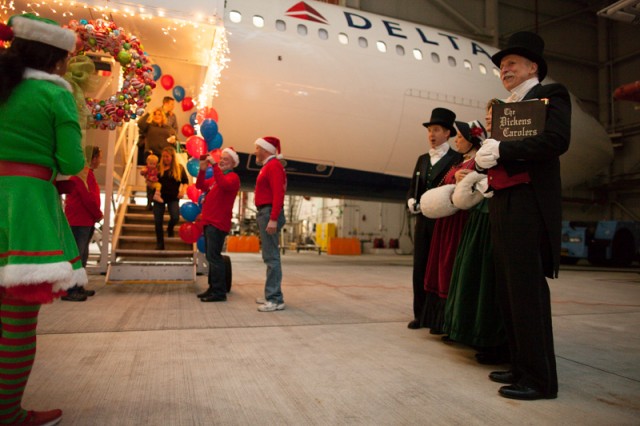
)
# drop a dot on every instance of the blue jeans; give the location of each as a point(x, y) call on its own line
point(158, 216)
point(213, 242)
point(271, 255)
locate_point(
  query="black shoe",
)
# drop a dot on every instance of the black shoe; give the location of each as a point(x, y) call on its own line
point(524, 393)
point(212, 298)
point(170, 232)
point(74, 296)
point(414, 325)
point(205, 293)
point(505, 377)
point(87, 293)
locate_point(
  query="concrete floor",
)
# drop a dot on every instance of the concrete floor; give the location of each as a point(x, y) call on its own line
point(340, 354)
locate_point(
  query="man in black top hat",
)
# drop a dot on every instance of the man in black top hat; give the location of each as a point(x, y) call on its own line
point(428, 173)
point(525, 216)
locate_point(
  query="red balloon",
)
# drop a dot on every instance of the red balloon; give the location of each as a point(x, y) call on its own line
point(187, 103)
point(187, 130)
point(196, 146)
point(193, 193)
point(207, 112)
point(216, 153)
point(189, 232)
point(166, 81)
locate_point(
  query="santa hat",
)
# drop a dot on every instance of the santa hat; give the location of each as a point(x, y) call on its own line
point(270, 144)
point(234, 155)
point(31, 27)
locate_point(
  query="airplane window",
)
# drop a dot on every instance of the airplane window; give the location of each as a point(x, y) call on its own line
point(417, 53)
point(467, 65)
point(281, 25)
point(235, 16)
point(496, 72)
point(435, 57)
point(343, 38)
point(302, 30)
point(452, 61)
point(323, 34)
point(482, 68)
point(363, 42)
point(258, 21)
point(382, 47)
point(399, 50)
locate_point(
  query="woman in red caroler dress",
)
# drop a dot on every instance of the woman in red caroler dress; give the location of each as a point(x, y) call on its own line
point(448, 230)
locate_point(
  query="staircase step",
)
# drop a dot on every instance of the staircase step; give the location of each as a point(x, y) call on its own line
point(141, 242)
point(151, 272)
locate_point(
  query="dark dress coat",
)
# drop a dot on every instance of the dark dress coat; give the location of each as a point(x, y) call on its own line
point(526, 231)
point(429, 177)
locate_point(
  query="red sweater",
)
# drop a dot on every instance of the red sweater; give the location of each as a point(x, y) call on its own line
point(271, 185)
point(82, 205)
point(221, 191)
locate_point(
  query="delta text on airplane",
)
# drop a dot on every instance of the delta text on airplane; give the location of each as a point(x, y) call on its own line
point(347, 92)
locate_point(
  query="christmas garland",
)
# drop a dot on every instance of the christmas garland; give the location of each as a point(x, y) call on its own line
point(131, 99)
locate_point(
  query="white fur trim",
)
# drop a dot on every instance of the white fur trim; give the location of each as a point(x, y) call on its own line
point(234, 155)
point(266, 146)
point(31, 74)
point(12, 275)
point(436, 202)
point(53, 35)
point(466, 195)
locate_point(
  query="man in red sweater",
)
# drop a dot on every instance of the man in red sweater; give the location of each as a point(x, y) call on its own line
point(271, 186)
point(221, 191)
point(82, 209)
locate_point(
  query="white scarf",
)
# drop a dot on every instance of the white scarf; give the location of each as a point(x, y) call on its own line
point(438, 152)
point(520, 91)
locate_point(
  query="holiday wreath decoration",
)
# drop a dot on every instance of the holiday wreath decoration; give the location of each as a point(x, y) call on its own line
point(132, 98)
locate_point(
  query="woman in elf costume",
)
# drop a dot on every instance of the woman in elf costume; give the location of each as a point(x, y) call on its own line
point(39, 138)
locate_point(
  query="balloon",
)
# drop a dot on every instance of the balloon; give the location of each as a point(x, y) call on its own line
point(178, 93)
point(192, 119)
point(187, 103)
point(202, 197)
point(157, 72)
point(189, 211)
point(209, 129)
point(209, 173)
point(196, 146)
point(215, 143)
point(187, 130)
point(207, 112)
point(193, 166)
point(167, 81)
point(193, 193)
point(189, 232)
point(201, 246)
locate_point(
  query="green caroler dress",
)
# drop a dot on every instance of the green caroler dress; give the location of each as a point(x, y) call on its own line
point(472, 314)
point(38, 254)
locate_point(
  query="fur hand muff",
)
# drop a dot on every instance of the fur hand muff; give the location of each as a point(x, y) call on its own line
point(466, 195)
point(436, 202)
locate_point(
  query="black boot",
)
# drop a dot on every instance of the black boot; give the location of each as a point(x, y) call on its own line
point(74, 295)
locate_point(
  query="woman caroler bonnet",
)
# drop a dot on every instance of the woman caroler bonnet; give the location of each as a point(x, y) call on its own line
point(473, 131)
point(271, 144)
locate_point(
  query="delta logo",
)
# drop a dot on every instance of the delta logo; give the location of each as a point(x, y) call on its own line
point(304, 11)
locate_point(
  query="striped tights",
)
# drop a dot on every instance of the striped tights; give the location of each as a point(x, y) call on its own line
point(17, 352)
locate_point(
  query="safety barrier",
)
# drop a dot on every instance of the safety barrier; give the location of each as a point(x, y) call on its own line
point(344, 246)
point(243, 244)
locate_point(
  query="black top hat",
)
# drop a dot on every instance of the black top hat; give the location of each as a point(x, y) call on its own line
point(526, 44)
point(443, 117)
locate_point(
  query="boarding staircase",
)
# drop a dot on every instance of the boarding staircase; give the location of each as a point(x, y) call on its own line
point(133, 256)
